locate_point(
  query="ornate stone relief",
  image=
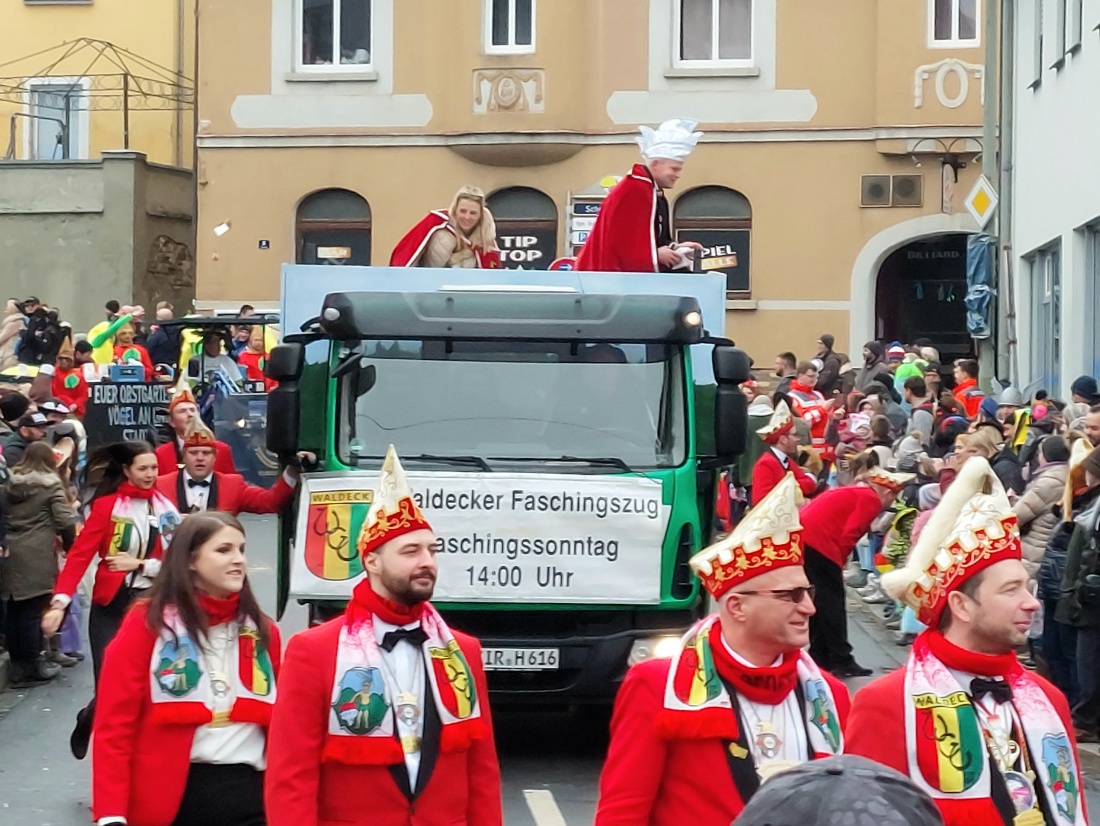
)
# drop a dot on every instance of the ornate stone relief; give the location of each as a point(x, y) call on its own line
point(509, 90)
point(940, 72)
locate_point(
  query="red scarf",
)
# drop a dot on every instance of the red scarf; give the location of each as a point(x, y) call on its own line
point(769, 686)
point(219, 611)
point(364, 600)
point(971, 662)
point(134, 492)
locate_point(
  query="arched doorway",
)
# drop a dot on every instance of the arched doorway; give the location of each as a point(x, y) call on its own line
point(527, 227)
point(920, 292)
point(333, 227)
point(720, 219)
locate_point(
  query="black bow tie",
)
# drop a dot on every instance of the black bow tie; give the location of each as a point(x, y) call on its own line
point(198, 483)
point(414, 636)
point(1000, 690)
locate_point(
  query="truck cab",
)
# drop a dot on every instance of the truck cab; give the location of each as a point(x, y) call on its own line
point(564, 443)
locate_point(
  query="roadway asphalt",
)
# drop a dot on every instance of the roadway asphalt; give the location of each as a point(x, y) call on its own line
point(550, 761)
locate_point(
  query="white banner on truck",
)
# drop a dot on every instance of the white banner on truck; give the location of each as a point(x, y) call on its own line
point(546, 538)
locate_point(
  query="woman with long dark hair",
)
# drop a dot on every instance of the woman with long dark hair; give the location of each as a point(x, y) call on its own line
point(187, 691)
point(129, 527)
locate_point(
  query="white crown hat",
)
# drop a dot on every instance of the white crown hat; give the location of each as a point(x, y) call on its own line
point(673, 140)
point(779, 424)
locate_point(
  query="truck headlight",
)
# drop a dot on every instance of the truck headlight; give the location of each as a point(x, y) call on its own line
point(653, 648)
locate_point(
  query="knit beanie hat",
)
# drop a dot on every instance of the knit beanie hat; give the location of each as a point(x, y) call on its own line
point(828, 340)
point(895, 353)
point(13, 406)
point(1085, 387)
point(841, 791)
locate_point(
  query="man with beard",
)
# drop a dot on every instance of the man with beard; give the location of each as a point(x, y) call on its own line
point(181, 411)
point(693, 738)
point(781, 457)
point(383, 714)
point(991, 742)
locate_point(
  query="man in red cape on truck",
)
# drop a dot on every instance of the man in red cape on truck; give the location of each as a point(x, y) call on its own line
point(633, 232)
point(693, 738)
point(383, 716)
point(990, 742)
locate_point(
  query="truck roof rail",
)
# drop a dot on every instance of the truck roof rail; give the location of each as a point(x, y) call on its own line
point(518, 316)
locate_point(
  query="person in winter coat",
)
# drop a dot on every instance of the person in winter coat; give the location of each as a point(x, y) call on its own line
point(828, 377)
point(1035, 509)
point(988, 441)
point(38, 514)
point(874, 368)
point(1080, 602)
point(11, 331)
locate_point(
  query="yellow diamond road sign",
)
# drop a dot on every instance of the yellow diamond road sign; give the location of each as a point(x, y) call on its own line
point(981, 203)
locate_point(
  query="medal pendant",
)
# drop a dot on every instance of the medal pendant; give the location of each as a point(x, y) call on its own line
point(410, 744)
point(407, 708)
point(770, 768)
point(1022, 792)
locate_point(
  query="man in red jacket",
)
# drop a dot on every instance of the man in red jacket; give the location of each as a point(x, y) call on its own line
point(198, 487)
point(990, 742)
point(780, 458)
point(966, 387)
point(383, 715)
point(834, 523)
point(692, 738)
point(633, 232)
point(181, 411)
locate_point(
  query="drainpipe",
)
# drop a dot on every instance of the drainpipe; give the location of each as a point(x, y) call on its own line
point(181, 39)
point(1010, 353)
point(988, 349)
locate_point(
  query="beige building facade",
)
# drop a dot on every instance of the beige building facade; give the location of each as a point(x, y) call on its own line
point(840, 141)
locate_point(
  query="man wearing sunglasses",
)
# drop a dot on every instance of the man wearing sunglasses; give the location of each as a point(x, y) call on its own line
point(739, 700)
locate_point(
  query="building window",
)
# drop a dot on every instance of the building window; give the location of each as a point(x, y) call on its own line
point(1074, 25)
point(1059, 34)
point(1046, 304)
point(721, 220)
point(334, 227)
point(953, 23)
point(1037, 45)
point(335, 34)
point(56, 126)
point(509, 26)
point(527, 227)
point(714, 32)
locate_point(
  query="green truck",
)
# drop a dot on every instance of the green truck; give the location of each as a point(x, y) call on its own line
point(563, 434)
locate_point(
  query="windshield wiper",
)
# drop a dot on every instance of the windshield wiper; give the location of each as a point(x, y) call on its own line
point(607, 461)
point(477, 461)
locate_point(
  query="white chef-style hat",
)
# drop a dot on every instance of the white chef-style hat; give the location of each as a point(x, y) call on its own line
point(673, 140)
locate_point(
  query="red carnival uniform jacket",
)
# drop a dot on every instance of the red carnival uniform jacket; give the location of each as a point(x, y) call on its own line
point(833, 522)
point(169, 459)
point(769, 472)
point(649, 780)
point(229, 492)
point(876, 730)
point(460, 788)
point(623, 238)
point(140, 767)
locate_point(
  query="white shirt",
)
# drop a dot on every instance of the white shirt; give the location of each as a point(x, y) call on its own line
point(783, 458)
point(997, 720)
point(236, 742)
point(197, 496)
point(405, 664)
point(786, 718)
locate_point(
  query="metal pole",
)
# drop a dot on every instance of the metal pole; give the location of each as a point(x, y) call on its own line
point(987, 350)
point(125, 111)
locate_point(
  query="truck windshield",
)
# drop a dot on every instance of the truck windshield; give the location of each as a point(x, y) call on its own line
point(510, 400)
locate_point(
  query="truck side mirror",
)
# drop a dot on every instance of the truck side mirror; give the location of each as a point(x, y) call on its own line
point(731, 409)
point(285, 362)
point(284, 365)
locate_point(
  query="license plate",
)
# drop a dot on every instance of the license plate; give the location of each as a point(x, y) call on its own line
point(521, 659)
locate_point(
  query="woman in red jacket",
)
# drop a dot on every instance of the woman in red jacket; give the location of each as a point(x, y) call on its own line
point(129, 527)
point(187, 691)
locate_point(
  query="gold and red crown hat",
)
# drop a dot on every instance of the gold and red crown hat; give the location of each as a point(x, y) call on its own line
point(198, 435)
point(780, 424)
point(393, 512)
point(893, 482)
point(769, 538)
point(972, 528)
point(181, 394)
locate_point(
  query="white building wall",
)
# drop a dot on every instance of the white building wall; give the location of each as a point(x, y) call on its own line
point(1056, 181)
